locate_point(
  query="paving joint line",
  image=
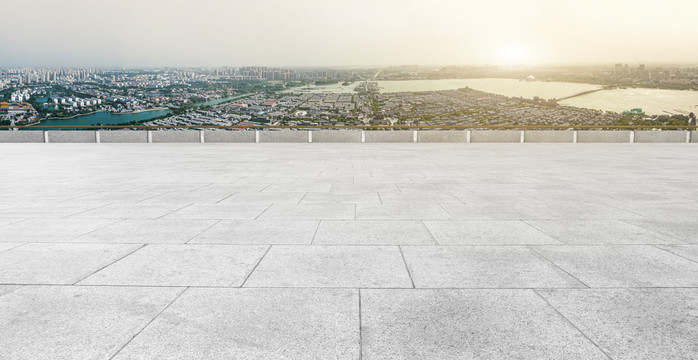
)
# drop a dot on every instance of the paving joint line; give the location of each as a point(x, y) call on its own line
point(433, 238)
point(14, 247)
point(316, 230)
point(255, 267)
point(409, 273)
point(572, 324)
point(149, 322)
point(84, 211)
point(203, 231)
point(99, 228)
point(302, 197)
point(173, 211)
point(673, 253)
point(544, 233)
point(531, 248)
point(263, 211)
point(111, 263)
point(219, 201)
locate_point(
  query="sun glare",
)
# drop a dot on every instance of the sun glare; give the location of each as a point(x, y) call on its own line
point(514, 54)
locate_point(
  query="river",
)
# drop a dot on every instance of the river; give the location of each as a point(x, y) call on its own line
point(107, 118)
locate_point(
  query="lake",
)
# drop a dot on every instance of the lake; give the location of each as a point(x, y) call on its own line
point(653, 101)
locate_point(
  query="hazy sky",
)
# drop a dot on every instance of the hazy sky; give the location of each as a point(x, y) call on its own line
point(356, 32)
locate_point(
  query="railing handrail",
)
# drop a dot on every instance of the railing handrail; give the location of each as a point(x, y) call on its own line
point(383, 127)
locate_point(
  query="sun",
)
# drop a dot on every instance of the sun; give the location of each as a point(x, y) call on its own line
point(514, 54)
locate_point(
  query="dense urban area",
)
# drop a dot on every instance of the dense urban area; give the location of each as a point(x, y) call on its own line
point(255, 96)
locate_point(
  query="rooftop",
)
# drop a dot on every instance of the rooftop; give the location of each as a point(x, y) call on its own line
point(348, 251)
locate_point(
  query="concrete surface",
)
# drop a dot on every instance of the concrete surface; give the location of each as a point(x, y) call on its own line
point(70, 136)
point(123, 136)
point(348, 251)
point(179, 136)
point(603, 136)
point(222, 136)
point(21, 136)
point(549, 136)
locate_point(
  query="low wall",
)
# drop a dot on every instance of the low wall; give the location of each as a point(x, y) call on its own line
point(400, 136)
point(21, 136)
point(349, 136)
point(603, 136)
point(660, 136)
point(176, 136)
point(337, 136)
point(445, 136)
point(283, 136)
point(548, 136)
point(72, 136)
point(122, 136)
point(495, 136)
point(225, 136)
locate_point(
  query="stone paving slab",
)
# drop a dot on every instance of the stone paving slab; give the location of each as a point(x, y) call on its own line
point(9, 245)
point(331, 266)
point(135, 231)
point(6, 289)
point(291, 224)
point(373, 233)
point(492, 212)
point(467, 324)
point(634, 323)
point(265, 232)
point(680, 230)
point(483, 267)
point(57, 263)
point(686, 251)
point(50, 230)
point(75, 322)
point(598, 232)
point(128, 211)
point(48, 210)
point(325, 211)
point(181, 265)
point(253, 324)
point(401, 211)
point(218, 211)
point(493, 232)
point(264, 198)
point(623, 266)
point(341, 198)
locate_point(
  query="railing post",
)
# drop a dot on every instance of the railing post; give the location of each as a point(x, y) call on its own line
point(256, 136)
point(310, 136)
point(632, 136)
point(45, 137)
point(149, 134)
point(688, 136)
point(523, 136)
point(574, 137)
point(201, 136)
point(414, 136)
point(363, 136)
point(97, 139)
point(467, 137)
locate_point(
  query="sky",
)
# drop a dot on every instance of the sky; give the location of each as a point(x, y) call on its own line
point(152, 33)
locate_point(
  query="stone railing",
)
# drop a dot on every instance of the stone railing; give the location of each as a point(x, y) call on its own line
point(358, 135)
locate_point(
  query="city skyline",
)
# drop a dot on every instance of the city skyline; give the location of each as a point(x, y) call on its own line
point(156, 33)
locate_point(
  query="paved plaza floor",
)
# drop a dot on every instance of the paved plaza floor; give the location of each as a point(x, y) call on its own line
point(348, 251)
